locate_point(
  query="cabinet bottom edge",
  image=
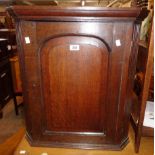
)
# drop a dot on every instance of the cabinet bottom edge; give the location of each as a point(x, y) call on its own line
point(114, 147)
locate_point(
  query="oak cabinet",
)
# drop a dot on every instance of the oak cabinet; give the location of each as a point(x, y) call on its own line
point(75, 66)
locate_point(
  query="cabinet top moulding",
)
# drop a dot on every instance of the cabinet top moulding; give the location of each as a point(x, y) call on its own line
point(48, 13)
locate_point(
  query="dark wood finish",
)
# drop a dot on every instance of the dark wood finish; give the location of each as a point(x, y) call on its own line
point(140, 71)
point(76, 98)
point(151, 88)
point(3, 48)
point(77, 84)
point(147, 77)
point(6, 85)
point(8, 49)
point(137, 115)
point(147, 131)
point(45, 13)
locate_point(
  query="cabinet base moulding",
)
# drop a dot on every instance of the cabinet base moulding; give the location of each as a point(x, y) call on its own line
point(115, 147)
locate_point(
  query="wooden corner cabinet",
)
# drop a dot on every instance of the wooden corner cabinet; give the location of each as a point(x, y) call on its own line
point(76, 65)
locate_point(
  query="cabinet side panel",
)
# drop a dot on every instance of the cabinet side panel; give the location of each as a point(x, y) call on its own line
point(30, 78)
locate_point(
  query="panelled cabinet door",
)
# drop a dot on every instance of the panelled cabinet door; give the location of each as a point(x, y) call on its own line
point(75, 64)
point(73, 77)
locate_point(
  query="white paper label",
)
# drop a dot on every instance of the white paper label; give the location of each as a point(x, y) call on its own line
point(118, 42)
point(9, 47)
point(74, 47)
point(27, 40)
point(22, 152)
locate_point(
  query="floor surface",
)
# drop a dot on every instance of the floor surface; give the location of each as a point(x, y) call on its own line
point(12, 138)
point(146, 148)
point(11, 123)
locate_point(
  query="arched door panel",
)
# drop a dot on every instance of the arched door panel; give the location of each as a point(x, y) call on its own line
point(74, 72)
